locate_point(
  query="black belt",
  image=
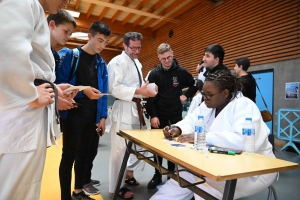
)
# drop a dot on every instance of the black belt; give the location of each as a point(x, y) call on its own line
point(38, 82)
point(139, 109)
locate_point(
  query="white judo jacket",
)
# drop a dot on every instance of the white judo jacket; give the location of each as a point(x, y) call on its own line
point(122, 82)
point(195, 103)
point(24, 55)
point(226, 129)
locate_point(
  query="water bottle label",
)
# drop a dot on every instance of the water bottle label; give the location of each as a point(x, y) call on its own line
point(248, 131)
point(199, 129)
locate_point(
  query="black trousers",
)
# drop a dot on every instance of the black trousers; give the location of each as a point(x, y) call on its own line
point(80, 144)
point(163, 123)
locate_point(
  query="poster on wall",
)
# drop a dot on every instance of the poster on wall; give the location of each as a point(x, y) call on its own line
point(291, 90)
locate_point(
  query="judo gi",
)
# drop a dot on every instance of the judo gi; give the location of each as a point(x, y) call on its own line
point(224, 131)
point(25, 131)
point(123, 80)
point(195, 103)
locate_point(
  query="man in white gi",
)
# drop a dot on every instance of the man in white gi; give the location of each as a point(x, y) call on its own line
point(126, 84)
point(27, 124)
point(224, 110)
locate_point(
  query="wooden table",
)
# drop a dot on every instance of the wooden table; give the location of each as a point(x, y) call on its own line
point(233, 167)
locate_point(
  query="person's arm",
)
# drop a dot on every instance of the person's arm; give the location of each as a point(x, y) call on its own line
point(144, 91)
point(104, 106)
point(63, 70)
point(190, 82)
point(63, 73)
point(100, 127)
point(195, 103)
point(117, 69)
point(245, 88)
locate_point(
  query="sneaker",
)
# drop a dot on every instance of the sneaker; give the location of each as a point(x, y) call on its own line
point(95, 182)
point(81, 196)
point(90, 189)
point(155, 181)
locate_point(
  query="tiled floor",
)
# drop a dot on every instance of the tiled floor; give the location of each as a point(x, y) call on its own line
point(287, 187)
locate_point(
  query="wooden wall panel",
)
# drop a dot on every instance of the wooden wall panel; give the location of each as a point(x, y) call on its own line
point(265, 31)
point(107, 55)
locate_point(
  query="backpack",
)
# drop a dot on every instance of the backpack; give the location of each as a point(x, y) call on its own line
point(74, 61)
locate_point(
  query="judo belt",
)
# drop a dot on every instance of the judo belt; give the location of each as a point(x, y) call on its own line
point(38, 82)
point(140, 111)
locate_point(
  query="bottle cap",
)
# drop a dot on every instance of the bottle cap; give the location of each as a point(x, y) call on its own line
point(231, 153)
point(200, 117)
point(248, 119)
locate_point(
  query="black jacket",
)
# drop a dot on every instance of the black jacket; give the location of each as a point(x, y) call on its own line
point(249, 86)
point(167, 104)
point(221, 67)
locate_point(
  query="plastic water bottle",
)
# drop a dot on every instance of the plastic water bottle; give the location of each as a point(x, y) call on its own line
point(196, 137)
point(249, 136)
point(200, 134)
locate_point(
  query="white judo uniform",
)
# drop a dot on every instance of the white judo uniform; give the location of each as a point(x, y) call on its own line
point(25, 131)
point(195, 103)
point(122, 82)
point(224, 131)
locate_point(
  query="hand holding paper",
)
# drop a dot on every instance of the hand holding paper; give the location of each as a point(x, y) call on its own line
point(92, 93)
point(145, 91)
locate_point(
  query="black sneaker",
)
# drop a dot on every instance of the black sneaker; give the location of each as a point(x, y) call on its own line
point(81, 196)
point(155, 181)
point(95, 182)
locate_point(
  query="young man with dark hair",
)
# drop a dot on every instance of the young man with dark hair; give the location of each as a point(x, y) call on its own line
point(166, 107)
point(249, 83)
point(61, 26)
point(213, 58)
point(127, 86)
point(80, 140)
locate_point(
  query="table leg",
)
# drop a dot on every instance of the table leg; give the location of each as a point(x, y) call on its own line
point(229, 189)
point(122, 170)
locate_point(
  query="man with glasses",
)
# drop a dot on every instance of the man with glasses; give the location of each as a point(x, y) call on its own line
point(125, 83)
point(166, 107)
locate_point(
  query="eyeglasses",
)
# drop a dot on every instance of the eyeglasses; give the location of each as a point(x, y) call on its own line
point(208, 96)
point(135, 48)
point(167, 58)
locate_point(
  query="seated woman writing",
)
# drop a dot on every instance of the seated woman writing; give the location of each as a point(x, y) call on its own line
point(224, 110)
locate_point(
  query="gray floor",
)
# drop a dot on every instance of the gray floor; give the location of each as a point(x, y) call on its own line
point(287, 187)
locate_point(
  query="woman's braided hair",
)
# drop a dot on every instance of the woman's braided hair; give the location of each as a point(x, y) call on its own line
point(225, 80)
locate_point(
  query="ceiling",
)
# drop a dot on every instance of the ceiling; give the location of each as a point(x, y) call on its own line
point(144, 16)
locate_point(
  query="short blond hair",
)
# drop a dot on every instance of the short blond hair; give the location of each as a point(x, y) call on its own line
point(163, 47)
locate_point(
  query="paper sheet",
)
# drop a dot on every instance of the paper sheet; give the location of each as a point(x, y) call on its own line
point(76, 87)
point(151, 87)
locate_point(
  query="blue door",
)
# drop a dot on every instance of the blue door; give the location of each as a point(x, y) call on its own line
point(264, 80)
